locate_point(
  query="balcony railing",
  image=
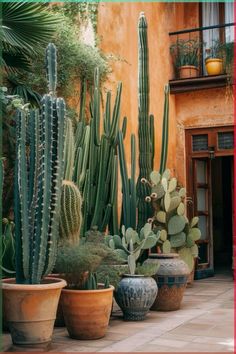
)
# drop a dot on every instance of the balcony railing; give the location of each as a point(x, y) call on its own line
point(191, 47)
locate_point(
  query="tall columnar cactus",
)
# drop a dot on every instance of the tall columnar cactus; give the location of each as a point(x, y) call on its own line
point(38, 177)
point(70, 216)
point(165, 131)
point(145, 136)
point(129, 208)
point(96, 161)
point(176, 233)
point(69, 151)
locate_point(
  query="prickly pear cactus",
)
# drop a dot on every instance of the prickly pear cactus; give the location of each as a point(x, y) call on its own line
point(131, 244)
point(177, 234)
point(70, 216)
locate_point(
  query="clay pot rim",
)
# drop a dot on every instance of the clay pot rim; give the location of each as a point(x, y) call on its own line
point(53, 283)
point(188, 67)
point(163, 255)
point(93, 291)
point(135, 276)
point(209, 60)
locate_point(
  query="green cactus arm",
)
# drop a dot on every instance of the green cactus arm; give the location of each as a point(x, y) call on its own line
point(44, 189)
point(83, 91)
point(106, 217)
point(96, 108)
point(57, 177)
point(114, 182)
point(116, 114)
point(85, 157)
point(99, 205)
point(107, 116)
point(152, 139)
point(51, 68)
point(69, 151)
point(133, 201)
point(125, 182)
point(165, 131)
point(124, 127)
point(22, 193)
point(78, 163)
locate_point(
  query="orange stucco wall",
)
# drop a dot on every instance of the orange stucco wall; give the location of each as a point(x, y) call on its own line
point(117, 30)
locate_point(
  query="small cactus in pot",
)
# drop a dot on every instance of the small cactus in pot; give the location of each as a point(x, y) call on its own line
point(137, 290)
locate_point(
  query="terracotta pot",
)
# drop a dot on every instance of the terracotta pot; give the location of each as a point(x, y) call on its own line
point(59, 321)
point(30, 310)
point(87, 312)
point(135, 295)
point(214, 66)
point(171, 279)
point(188, 71)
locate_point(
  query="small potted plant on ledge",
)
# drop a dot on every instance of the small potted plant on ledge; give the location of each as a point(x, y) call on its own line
point(214, 58)
point(185, 54)
point(137, 290)
point(30, 301)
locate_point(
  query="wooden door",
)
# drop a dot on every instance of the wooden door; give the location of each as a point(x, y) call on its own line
point(203, 145)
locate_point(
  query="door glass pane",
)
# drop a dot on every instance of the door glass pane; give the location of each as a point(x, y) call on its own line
point(203, 253)
point(202, 224)
point(201, 199)
point(226, 140)
point(201, 172)
point(200, 142)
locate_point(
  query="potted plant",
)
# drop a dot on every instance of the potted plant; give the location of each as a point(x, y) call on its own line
point(176, 246)
point(30, 301)
point(137, 290)
point(214, 58)
point(86, 304)
point(185, 54)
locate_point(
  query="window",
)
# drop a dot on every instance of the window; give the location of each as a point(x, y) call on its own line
point(214, 14)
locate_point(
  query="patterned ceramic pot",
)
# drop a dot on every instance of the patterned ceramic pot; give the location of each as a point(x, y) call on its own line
point(135, 295)
point(171, 279)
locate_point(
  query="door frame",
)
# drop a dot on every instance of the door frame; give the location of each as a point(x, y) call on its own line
point(212, 151)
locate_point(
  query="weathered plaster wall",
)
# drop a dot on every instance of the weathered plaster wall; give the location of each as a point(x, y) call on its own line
point(117, 29)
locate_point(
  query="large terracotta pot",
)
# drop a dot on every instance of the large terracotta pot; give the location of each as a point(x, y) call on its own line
point(214, 66)
point(30, 310)
point(87, 312)
point(135, 295)
point(171, 279)
point(188, 71)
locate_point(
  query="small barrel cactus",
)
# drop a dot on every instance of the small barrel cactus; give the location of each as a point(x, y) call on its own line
point(71, 216)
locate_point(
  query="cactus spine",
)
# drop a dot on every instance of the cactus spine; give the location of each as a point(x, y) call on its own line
point(37, 203)
point(144, 135)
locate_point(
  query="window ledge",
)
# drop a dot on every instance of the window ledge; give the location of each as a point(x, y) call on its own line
point(197, 83)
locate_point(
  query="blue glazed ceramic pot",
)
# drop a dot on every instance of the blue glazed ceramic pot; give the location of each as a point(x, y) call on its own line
point(135, 295)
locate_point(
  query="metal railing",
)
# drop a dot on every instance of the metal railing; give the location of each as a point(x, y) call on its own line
point(206, 39)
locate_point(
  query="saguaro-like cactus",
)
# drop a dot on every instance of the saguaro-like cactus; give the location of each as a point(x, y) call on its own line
point(165, 131)
point(145, 136)
point(38, 178)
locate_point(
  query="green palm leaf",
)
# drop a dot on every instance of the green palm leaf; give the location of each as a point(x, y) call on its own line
point(25, 29)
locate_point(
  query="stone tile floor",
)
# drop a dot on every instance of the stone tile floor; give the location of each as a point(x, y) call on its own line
point(205, 323)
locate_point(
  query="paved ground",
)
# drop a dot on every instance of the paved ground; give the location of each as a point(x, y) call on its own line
point(203, 324)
